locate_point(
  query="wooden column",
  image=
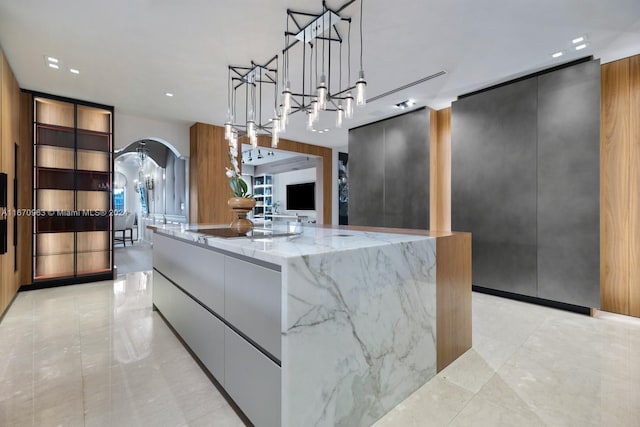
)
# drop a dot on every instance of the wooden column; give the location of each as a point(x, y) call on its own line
point(634, 186)
point(208, 185)
point(440, 170)
point(620, 187)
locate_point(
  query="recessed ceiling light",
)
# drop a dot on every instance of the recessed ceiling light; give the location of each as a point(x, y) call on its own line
point(313, 130)
point(557, 54)
point(577, 40)
point(56, 66)
point(52, 59)
point(320, 131)
point(169, 94)
point(405, 104)
point(581, 46)
point(74, 71)
point(326, 130)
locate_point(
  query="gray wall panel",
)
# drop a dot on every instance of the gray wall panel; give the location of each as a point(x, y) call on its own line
point(569, 185)
point(389, 172)
point(493, 185)
point(366, 175)
point(406, 173)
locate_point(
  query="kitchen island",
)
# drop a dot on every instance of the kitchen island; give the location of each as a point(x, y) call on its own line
point(331, 327)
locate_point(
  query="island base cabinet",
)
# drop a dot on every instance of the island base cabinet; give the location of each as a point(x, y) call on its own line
point(252, 380)
point(200, 329)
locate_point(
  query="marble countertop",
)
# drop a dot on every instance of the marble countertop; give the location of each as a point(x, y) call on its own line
point(313, 240)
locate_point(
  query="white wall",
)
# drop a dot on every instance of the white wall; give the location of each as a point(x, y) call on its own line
point(281, 181)
point(130, 128)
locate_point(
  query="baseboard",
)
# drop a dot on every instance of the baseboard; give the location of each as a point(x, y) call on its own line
point(534, 300)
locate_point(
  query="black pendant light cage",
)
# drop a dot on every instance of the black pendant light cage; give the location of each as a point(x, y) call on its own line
point(320, 86)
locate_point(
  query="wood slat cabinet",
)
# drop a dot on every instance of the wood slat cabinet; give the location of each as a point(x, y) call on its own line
point(72, 161)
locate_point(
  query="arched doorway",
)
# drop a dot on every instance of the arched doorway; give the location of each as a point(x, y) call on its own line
point(150, 187)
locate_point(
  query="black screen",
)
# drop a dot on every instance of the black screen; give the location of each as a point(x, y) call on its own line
point(301, 197)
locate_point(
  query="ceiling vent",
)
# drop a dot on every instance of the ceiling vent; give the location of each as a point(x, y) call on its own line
point(408, 85)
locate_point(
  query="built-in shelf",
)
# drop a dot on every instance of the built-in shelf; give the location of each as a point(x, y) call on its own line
point(72, 189)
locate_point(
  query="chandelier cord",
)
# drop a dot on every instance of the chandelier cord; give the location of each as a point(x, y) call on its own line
point(361, 3)
point(349, 52)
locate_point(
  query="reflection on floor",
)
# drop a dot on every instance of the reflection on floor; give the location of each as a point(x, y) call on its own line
point(97, 355)
point(129, 259)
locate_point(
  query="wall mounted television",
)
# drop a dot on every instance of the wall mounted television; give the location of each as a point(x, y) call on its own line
point(301, 197)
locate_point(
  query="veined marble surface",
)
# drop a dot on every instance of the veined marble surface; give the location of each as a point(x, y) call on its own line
point(312, 241)
point(359, 332)
point(358, 319)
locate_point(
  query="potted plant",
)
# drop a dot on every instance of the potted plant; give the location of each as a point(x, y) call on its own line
point(241, 201)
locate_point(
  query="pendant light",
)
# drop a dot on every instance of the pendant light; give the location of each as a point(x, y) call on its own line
point(348, 108)
point(322, 93)
point(339, 116)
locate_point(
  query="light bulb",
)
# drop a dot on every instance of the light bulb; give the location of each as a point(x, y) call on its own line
point(284, 119)
point(286, 99)
point(360, 89)
point(322, 93)
point(348, 111)
point(275, 123)
point(315, 111)
point(227, 131)
point(309, 121)
point(234, 140)
point(339, 116)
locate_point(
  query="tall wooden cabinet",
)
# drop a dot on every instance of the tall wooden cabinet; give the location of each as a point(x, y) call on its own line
point(73, 175)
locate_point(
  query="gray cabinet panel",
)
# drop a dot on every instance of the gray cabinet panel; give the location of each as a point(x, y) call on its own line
point(366, 175)
point(406, 171)
point(253, 297)
point(252, 380)
point(569, 185)
point(493, 184)
point(201, 330)
point(198, 271)
point(389, 172)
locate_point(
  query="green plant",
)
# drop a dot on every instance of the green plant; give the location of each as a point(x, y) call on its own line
point(238, 185)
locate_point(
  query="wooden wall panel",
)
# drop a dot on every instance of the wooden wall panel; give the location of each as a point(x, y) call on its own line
point(614, 187)
point(453, 297)
point(634, 201)
point(208, 185)
point(209, 188)
point(9, 137)
point(25, 189)
point(440, 170)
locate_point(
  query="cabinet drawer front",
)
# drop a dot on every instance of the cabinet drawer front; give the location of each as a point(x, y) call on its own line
point(201, 330)
point(252, 380)
point(253, 302)
point(198, 271)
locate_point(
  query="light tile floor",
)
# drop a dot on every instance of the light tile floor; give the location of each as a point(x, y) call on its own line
point(97, 355)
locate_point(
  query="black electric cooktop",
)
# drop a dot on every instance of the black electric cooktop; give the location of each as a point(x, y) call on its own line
point(253, 233)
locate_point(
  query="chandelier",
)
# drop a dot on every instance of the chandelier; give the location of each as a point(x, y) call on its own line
point(323, 81)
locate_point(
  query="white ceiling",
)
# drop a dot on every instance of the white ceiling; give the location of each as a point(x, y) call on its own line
point(130, 52)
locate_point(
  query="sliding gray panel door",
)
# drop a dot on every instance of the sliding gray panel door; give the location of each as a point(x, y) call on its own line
point(406, 173)
point(366, 175)
point(389, 172)
point(569, 185)
point(493, 184)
